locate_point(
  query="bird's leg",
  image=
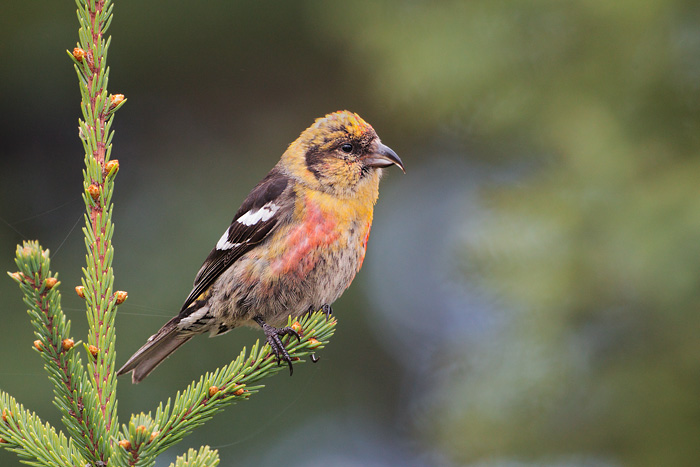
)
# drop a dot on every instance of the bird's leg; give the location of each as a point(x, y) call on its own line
point(273, 335)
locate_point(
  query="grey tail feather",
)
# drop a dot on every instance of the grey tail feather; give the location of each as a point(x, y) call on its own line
point(158, 347)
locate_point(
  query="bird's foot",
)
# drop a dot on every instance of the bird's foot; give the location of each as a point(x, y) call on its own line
point(273, 335)
point(326, 309)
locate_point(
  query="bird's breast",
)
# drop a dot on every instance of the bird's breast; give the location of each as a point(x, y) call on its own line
point(318, 232)
point(307, 262)
point(326, 237)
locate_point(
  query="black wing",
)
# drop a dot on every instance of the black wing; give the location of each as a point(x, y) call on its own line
point(255, 219)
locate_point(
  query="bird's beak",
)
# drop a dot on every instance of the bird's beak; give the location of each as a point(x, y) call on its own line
point(383, 156)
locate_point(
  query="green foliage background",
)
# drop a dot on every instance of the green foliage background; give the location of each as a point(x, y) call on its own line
point(550, 211)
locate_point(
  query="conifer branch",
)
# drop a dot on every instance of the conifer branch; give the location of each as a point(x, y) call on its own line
point(54, 344)
point(205, 457)
point(145, 437)
point(90, 58)
point(35, 442)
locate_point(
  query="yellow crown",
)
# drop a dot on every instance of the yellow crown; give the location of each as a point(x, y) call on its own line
point(350, 121)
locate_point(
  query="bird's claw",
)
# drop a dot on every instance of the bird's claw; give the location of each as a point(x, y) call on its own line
point(327, 310)
point(273, 336)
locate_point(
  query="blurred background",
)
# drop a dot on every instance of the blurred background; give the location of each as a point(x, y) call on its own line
point(532, 287)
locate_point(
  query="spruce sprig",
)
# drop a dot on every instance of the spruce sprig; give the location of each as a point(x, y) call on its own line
point(98, 107)
point(229, 384)
point(205, 457)
point(35, 442)
point(73, 396)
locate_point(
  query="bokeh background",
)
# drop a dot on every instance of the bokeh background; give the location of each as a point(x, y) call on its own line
point(532, 287)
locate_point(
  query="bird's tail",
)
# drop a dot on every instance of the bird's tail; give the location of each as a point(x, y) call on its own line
point(158, 347)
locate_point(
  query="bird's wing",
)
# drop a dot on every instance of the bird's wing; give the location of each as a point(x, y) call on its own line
point(255, 219)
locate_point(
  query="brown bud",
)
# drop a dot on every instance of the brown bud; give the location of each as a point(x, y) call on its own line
point(79, 54)
point(213, 390)
point(26, 251)
point(2, 441)
point(37, 345)
point(296, 326)
point(50, 282)
point(141, 428)
point(93, 350)
point(313, 343)
point(112, 165)
point(120, 296)
point(94, 191)
point(239, 392)
point(18, 276)
point(80, 290)
point(125, 443)
point(67, 344)
point(115, 99)
point(5, 415)
point(154, 435)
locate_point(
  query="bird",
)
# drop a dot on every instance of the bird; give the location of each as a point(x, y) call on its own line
point(294, 245)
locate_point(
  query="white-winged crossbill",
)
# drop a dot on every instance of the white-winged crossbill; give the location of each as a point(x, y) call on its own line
point(294, 245)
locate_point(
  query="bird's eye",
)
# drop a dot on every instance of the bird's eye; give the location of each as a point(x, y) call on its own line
point(346, 148)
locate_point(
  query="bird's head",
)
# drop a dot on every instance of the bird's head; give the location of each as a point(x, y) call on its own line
point(340, 154)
